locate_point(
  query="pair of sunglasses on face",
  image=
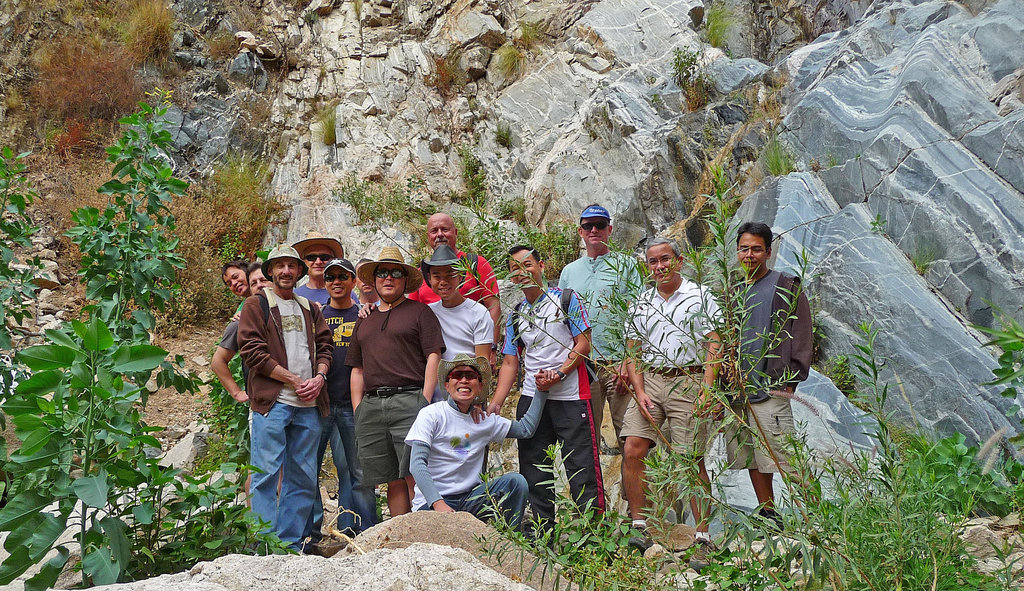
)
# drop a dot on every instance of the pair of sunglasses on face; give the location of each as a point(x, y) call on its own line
point(339, 277)
point(323, 257)
point(392, 273)
point(464, 374)
point(588, 226)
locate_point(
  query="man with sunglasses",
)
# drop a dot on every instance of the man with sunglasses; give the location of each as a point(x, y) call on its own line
point(355, 501)
point(604, 280)
point(449, 447)
point(317, 250)
point(394, 354)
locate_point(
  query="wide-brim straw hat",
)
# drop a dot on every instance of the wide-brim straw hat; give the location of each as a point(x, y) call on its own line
point(481, 364)
point(391, 255)
point(283, 251)
point(333, 245)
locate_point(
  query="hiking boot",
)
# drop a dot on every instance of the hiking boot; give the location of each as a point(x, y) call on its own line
point(702, 550)
point(771, 519)
point(641, 542)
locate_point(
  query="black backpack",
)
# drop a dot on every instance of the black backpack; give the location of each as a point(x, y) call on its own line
point(565, 301)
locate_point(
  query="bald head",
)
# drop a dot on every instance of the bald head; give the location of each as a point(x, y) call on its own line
point(441, 230)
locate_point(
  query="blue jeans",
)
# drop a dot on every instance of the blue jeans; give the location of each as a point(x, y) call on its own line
point(285, 441)
point(509, 491)
point(339, 429)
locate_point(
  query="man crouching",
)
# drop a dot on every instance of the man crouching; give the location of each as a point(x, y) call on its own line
point(448, 447)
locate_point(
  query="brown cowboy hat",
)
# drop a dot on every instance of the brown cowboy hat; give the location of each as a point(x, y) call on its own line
point(333, 245)
point(391, 255)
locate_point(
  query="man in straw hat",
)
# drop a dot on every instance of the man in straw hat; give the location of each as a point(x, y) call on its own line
point(466, 325)
point(394, 354)
point(448, 447)
point(287, 346)
point(317, 249)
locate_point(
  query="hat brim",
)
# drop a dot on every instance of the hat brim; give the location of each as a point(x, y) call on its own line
point(481, 364)
point(339, 266)
point(332, 245)
point(267, 264)
point(413, 282)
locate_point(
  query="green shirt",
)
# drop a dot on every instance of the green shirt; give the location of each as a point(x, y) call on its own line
point(607, 285)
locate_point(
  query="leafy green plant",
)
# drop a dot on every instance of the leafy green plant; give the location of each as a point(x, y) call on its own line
point(82, 463)
point(718, 23)
point(1008, 338)
point(510, 61)
point(924, 256)
point(692, 76)
point(16, 230)
point(503, 134)
point(878, 225)
point(777, 158)
point(229, 421)
point(838, 370)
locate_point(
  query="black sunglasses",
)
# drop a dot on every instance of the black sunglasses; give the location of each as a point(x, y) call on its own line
point(588, 226)
point(392, 273)
point(339, 276)
point(322, 257)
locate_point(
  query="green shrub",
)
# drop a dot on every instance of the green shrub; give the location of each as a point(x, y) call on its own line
point(531, 32)
point(718, 23)
point(838, 370)
point(777, 158)
point(16, 229)
point(692, 76)
point(327, 119)
point(503, 134)
point(448, 76)
point(509, 61)
point(387, 203)
point(473, 174)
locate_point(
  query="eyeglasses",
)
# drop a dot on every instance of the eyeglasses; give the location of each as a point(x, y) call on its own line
point(464, 374)
point(392, 273)
point(750, 249)
point(322, 257)
point(588, 226)
point(339, 277)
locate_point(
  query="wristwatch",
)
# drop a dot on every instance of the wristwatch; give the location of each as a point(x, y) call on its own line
point(561, 375)
point(322, 374)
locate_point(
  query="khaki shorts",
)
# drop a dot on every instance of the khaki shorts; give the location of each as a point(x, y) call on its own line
point(775, 417)
point(381, 427)
point(673, 400)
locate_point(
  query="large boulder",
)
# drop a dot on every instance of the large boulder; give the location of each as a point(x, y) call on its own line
point(427, 567)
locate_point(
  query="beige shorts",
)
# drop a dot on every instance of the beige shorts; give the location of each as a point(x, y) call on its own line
point(743, 442)
point(673, 400)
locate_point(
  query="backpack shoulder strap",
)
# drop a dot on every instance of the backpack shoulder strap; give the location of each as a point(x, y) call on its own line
point(265, 307)
point(566, 301)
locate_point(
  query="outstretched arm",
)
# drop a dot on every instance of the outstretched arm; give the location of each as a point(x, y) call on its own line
point(525, 427)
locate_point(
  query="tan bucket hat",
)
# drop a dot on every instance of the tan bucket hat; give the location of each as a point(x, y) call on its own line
point(333, 245)
point(391, 254)
point(283, 251)
point(481, 364)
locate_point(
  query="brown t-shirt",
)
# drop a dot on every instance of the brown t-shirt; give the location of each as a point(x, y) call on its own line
point(392, 347)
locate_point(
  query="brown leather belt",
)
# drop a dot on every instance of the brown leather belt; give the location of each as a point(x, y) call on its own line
point(676, 372)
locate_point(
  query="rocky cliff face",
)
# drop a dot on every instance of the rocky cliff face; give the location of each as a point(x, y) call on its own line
point(902, 116)
point(917, 223)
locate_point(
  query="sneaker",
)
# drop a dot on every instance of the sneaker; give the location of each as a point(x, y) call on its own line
point(607, 450)
point(641, 542)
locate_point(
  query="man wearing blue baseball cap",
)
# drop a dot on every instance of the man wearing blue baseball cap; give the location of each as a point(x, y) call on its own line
point(604, 279)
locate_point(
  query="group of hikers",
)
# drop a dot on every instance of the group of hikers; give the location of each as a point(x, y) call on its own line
point(391, 363)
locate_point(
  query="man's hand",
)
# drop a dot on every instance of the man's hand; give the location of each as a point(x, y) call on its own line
point(493, 408)
point(237, 315)
point(309, 389)
point(546, 378)
point(442, 507)
point(477, 412)
point(621, 382)
point(707, 406)
point(365, 310)
point(645, 404)
point(240, 396)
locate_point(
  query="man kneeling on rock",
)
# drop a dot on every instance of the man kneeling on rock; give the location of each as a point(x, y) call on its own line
point(448, 447)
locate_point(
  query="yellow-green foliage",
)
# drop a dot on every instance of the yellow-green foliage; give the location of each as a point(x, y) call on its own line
point(510, 61)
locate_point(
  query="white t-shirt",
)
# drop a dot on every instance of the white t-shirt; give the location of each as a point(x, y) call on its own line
point(547, 342)
point(293, 331)
point(671, 332)
point(463, 326)
point(457, 446)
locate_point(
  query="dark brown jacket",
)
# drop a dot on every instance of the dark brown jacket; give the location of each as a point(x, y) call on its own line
point(261, 345)
point(793, 355)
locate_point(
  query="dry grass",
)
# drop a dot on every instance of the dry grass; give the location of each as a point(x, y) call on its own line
point(85, 78)
point(448, 76)
point(222, 45)
point(148, 31)
point(510, 61)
